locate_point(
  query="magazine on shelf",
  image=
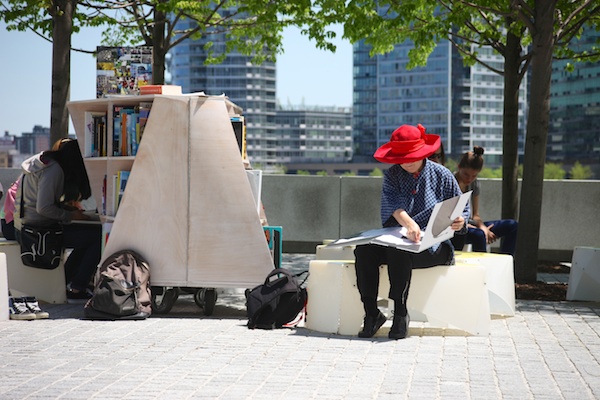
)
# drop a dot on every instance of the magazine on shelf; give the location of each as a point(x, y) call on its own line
point(438, 229)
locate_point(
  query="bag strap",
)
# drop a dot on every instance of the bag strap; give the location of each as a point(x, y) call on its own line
point(278, 271)
point(287, 273)
point(22, 210)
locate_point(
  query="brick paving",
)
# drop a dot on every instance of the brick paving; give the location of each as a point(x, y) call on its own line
point(549, 350)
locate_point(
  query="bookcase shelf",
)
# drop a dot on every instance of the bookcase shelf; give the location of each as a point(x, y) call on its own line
point(188, 206)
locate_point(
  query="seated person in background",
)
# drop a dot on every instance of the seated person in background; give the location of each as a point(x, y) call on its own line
point(51, 183)
point(411, 188)
point(8, 223)
point(439, 156)
point(481, 233)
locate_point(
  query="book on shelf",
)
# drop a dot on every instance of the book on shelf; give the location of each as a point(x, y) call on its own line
point(128, 127)
point(160, 89)
point(119, 184)
point(438, 229)
point(95, 134)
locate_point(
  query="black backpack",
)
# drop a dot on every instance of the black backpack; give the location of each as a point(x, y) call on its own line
point(277, 302)
point(121, 288)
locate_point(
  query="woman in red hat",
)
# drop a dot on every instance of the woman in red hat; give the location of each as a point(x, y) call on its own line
point(411, 188)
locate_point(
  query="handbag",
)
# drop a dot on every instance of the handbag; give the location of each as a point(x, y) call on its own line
point(41, 247)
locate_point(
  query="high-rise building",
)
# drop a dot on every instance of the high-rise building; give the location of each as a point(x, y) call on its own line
point(250, 86)
point(273, 136)
point(574, 127)
point(314, 135)
point(463, 105)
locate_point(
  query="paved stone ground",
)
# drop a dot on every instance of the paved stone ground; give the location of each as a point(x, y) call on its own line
point(549, 350)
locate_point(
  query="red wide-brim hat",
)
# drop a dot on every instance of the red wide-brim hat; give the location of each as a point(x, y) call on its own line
point(408, 144)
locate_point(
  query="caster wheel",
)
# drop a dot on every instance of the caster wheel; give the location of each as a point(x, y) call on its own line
point(206, 298)
point(163, 299)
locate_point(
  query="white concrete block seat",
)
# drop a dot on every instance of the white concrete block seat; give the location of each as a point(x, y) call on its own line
point(443, 296)
point(3, 289)
point(46, 285)
point(499, 273)
point(584, 277)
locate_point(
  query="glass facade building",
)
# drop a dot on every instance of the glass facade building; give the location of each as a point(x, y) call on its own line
point(464, 105)
point(273, 136)
point(250, 86)
point(574, 127)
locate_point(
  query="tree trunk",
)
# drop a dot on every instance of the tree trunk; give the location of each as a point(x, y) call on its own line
point(510, 129)
point(158, 51)
point(535, 144)
point(62, 27)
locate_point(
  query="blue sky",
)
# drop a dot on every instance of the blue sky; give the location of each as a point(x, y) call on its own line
point(305, 75)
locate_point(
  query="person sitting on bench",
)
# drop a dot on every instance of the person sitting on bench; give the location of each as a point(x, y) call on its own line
point(411, 188)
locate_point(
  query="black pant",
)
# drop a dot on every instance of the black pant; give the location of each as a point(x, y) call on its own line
point(400, 264)
point(8, 230)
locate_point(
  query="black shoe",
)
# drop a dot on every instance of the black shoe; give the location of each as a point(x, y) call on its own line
point(80, 297)
point(399, 327)
point(372, 325)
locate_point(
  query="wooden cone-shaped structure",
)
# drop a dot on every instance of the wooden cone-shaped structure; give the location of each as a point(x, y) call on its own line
point(188, 207)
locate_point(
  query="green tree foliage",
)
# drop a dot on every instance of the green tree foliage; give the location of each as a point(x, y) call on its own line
point(321, 173)
point(251, 27)
point(302, 172)
point(376, 172)
point(554, 171)
point(451, 164)
point(54, 21)
point(527, 33)
point(579, 171)
point(490, 173)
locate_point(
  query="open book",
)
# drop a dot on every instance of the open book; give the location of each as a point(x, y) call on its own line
point(438, 229)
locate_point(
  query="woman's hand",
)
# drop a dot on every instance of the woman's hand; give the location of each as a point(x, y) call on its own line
point(458, 223)
point(413, 231)
point(79, 215)
point(490, 237)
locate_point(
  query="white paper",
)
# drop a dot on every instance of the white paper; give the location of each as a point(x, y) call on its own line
point(438, 229)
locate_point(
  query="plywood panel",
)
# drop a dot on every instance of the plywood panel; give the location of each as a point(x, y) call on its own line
point(152, 217)
point(227, 246)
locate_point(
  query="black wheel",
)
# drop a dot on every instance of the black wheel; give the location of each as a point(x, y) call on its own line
point(206, 299)
point(163, 299)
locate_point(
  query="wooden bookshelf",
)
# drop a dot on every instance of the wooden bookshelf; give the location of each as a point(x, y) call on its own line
point(188, 206)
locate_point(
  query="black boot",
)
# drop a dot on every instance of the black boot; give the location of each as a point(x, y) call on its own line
point(399, 327)
point(372, 324)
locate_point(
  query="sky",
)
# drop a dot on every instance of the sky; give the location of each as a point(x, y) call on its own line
point(305, 75)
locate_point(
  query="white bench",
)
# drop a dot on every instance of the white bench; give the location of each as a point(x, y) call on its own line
point(460, 297)
point(46, 285)
point(444, 297)
point(499, 273)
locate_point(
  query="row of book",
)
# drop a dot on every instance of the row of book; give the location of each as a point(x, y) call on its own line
point(129, 123)
point(119, 182)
